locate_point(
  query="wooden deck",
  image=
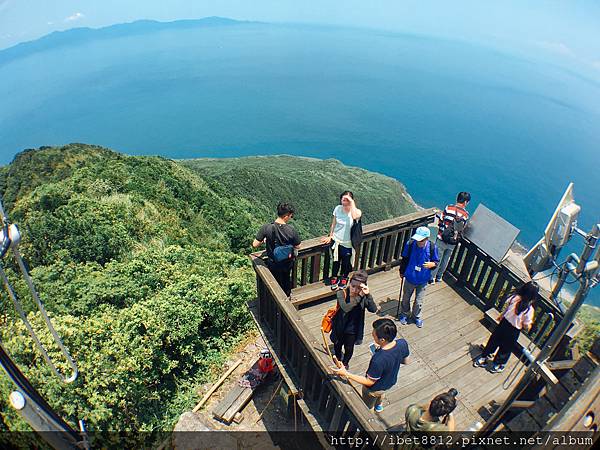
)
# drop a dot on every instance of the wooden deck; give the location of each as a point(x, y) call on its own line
point(441, 352)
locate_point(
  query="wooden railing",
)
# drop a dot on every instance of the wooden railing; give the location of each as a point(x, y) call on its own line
point(490, 282)
point(337, 405)
point(381, 248)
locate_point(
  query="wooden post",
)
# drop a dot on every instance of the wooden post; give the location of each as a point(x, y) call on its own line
point(219, 382)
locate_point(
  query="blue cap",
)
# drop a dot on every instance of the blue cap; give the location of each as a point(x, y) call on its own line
point(421, 233)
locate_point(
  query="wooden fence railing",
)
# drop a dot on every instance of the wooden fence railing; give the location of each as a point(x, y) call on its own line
point(490, 282)
point(337, 405)
point(381, 248)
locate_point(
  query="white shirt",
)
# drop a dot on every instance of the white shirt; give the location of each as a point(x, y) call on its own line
point(521, 320)
point(343, 225)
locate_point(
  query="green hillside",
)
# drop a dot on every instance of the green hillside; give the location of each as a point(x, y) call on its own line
point(142, 264)
point(312, 185)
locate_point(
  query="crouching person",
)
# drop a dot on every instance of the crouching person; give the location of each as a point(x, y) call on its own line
point(436, 417)
point(382, 373)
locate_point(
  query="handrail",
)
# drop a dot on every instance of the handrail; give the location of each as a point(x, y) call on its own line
point(490, 282)
point(309, 245)
point(381, 248)
point(340, 405)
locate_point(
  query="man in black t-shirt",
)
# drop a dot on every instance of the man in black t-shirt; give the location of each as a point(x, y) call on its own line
point(279, 233)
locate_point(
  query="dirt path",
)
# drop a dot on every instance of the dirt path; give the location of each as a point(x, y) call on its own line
point(254, 431)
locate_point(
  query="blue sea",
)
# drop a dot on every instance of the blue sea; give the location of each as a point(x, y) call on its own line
point(441, 116)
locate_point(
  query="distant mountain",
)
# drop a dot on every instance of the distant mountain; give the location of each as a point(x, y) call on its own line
point(85, 34)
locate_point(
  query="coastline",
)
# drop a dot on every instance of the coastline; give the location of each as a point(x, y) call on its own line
point(518, 249)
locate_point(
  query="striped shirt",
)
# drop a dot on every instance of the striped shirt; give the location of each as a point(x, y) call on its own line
point(450, 214)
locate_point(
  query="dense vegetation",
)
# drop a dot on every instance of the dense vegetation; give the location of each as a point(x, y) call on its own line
point(313, 185)
point(142, 264)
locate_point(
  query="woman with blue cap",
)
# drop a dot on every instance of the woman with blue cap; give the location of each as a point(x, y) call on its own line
point(419, 257)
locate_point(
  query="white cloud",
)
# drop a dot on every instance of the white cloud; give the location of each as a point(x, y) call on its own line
point(49, 23)
point(557, 47)
point(563, 49)
point(75, 16)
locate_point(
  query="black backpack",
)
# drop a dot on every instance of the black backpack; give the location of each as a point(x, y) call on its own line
point(453, 232)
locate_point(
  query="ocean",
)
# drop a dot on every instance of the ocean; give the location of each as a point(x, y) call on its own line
point(441, 116)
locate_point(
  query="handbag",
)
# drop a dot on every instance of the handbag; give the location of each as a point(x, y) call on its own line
point(281, 252)
point(356, 234)
point(327, 322)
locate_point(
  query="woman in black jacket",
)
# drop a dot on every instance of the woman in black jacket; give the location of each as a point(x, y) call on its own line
point(349, 322)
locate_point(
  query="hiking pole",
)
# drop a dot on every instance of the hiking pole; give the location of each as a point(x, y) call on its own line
point(326, 345)
point(400, 296)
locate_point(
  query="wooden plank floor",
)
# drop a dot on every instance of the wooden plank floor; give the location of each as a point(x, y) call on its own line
point(441, 352)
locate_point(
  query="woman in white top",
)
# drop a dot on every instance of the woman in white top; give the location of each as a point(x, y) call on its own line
point(517, 316)
point(344, 216)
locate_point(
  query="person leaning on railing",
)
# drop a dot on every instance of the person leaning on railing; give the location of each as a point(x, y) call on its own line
point(340, 239)
point(517, 316)
point(452, 222)
point(382, 373)
point(282, 242)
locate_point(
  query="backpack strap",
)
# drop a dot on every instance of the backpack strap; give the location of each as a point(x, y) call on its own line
point(411, 244)
point(275, 235)
point(464, 211)
point(406, 259)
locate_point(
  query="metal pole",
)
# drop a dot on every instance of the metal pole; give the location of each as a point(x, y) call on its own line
point(400, 296)
point(35, 410)
point(591, 241)
point(2, 213)
point(52, 432)
point(586, 282)
point(560, 281)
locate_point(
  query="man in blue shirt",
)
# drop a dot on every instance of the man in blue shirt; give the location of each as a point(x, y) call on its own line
point(419, 257)
point(382, 374)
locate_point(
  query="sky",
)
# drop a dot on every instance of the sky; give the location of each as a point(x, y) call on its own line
point(565, 32)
